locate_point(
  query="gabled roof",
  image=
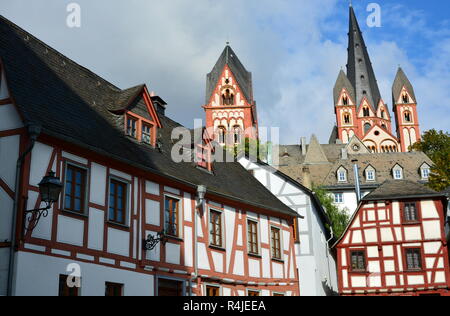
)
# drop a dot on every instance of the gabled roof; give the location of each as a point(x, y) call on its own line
point(342, 82)
point(243, 77)
point(72, 104)
point(401, 81)
point(401, 189)
point(359, 65)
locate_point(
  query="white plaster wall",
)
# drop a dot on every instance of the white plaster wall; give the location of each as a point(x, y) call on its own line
point(118, 242)
point(40, 159)
point(45, 271)
point(152, 212)
point(9, 118)
point(9, 153)
point(70, 231)
point(95, 230)
point(98, 184)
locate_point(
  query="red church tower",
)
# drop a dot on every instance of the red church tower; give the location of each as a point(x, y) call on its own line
point(230, 108)
point(405, 109)
point(360, 110)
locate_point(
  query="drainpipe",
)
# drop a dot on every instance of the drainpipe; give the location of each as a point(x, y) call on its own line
point(34, 131)
point(357, 183)
point(200, 203)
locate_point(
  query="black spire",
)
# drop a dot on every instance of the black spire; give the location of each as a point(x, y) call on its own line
point(243, 77)
point(359, 67)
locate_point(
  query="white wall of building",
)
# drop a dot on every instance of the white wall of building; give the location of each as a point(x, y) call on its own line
point(39, 275)
point(316, 265)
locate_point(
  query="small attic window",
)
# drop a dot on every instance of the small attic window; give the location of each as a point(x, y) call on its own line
point(425, 172)
point(397, 172)
point(383, 114)
point(370, 174)
point(146, 134)
point(132, 127)
point(342, 175)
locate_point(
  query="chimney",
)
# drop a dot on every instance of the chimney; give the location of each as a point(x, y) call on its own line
point(344, 154)
point(303, 145)
point(307, 178)
point(160, 104)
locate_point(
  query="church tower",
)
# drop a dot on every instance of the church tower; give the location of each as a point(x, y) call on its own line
point(405, 109)
point(360, 110)
point(230, 109)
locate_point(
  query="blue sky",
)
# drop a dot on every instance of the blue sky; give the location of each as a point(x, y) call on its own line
point(295, 49)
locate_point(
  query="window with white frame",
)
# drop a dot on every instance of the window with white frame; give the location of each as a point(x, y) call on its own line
point(425, 171)
point(397, 172)
point(171, 216)
point(342, 175)
point(216, 230)
point(339, 198)
point(370, 174)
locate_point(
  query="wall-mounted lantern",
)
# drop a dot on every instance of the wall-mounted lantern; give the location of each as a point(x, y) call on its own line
point(152, 241)
point(49, 190)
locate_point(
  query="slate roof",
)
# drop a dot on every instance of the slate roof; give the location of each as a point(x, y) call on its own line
point(292, 163)
point(359, 65)
point(71, 103)
point(343, 82)
point(401, 80)
point(243, 77)
point(401, 189)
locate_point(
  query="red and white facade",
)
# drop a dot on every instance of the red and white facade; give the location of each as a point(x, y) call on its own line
point(106, 252)
point(374, 254)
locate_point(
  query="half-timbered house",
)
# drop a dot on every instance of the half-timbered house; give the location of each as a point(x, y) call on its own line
point(396, 243)
point(112, 151)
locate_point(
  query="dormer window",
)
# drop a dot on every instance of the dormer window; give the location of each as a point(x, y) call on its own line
point(132, 127)
point(342, 175)
point(141, 129)
point(146, 134)
point(370, 174)
point(425, 171)
point(397, 172)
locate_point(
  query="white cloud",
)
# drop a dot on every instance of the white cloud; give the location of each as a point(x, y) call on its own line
point(172, 45)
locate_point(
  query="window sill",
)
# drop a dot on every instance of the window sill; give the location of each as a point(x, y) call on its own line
point(118, 225)
point(411, 223)
point(174, 238)
point(362, 272)
point(217, 247)
point(278, 260)
point(255, 255)
point(73, 213)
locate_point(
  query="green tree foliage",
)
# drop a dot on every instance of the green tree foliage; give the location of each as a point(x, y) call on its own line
point(339, 219)
point(436, 145)
point(251, 147)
